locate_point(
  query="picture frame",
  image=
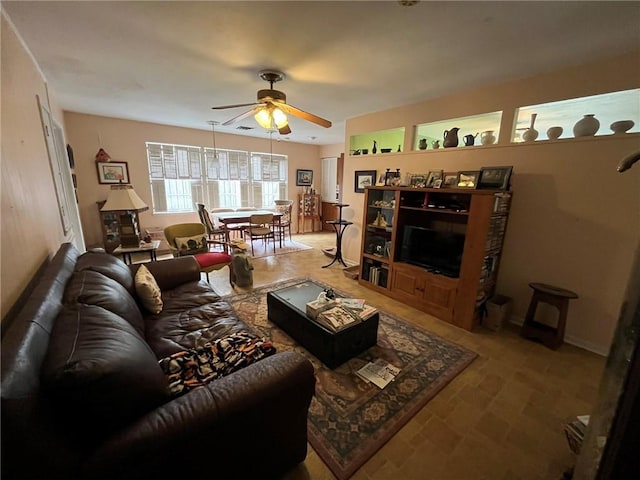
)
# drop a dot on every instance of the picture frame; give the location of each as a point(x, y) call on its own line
point(495, 178)
point(437, 183)
point(304, 178)
point(468, 179)
point(363, 179)
point(113, 173)
point(450, 179)
point(433, 176)
point(418, 180)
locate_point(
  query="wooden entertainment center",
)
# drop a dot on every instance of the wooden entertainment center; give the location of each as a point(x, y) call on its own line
point(435, 249)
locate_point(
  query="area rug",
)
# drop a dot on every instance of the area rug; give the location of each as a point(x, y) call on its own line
point(266, 249)
point(349, 420)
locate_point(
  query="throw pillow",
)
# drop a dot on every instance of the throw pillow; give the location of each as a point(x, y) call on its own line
point(189, 244)
point(148, 290)
point(197, 367)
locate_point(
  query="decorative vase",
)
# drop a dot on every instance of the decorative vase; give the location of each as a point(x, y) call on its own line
point(553, 133)
point(398, 149)
point(487, 137)
point(450, 138)
point(587, 126)
point(435, 144)
point(530, 134)
point(422, 145)
point(621, 126)
point(375, 147)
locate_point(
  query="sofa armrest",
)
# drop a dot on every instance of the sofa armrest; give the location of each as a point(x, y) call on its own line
point(253, 421)
point(172, 272)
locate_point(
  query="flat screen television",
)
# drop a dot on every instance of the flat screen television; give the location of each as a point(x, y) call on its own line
point(437, 251)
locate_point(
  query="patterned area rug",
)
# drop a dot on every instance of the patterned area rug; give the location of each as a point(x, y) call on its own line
point(349, 420)
point(266, 249)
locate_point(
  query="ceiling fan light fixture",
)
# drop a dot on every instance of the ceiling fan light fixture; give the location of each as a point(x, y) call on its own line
point(263, 117)
point(279, 118)
point(268, 116)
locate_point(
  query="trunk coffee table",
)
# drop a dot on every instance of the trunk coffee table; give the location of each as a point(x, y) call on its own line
point(287, 309)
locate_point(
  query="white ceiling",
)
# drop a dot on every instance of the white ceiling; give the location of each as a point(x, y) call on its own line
point(169, 62)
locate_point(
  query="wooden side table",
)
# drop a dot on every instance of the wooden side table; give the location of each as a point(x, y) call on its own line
point(558, 297)
point(150, 248)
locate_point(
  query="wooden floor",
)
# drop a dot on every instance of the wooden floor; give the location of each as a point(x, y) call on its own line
point(500, 419)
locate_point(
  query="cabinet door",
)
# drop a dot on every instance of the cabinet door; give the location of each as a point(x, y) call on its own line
point(407, 282)
point(439, 292)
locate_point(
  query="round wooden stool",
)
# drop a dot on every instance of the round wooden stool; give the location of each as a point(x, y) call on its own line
point(552, 337)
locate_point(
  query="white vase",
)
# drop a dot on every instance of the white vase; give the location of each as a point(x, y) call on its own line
point(530, 134)
point(587, 126)
point(487, 137)
point(553, 133)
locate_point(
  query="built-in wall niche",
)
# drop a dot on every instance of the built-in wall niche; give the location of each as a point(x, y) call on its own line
point(428, 133)
point(391, 140)
point(607, 109)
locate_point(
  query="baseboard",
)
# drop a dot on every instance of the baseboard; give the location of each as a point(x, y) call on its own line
point(570, 339)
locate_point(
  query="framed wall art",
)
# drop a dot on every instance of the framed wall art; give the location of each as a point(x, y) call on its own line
point(417, 180)
point(468, 179)
point(112, 172)
point(304, 178)
point(363, 179)
point(495, 177)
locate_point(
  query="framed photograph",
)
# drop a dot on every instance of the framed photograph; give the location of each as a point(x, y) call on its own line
point(304, 177)
point(363, 179)
point(112, 172)
point(433, 176)
point(468, 179)
point(495, 178)
point(437, 183)
point(449, 179)
point(417, 180)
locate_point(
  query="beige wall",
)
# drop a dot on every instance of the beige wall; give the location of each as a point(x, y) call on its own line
point(124, 140)
point(31, 227)
point(574, 222)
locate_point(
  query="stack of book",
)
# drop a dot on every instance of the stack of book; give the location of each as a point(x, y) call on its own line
point(344, 313)
point(575, 430)
point(380, 373)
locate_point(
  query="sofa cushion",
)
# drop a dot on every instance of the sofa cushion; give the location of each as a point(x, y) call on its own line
point(148, 291)
point(193, 315)
point(186, 245)
point(195, 368)
point(108, 265)
point(99, 371)
point(93, 288)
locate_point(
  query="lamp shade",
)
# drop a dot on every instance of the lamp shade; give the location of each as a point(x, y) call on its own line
point(124, 198)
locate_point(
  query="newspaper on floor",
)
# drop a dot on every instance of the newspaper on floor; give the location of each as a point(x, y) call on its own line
point(379, 372)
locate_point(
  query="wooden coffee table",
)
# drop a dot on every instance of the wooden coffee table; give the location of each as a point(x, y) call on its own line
point(287, 309)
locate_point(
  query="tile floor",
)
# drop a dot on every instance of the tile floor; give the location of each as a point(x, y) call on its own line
point(500, 419)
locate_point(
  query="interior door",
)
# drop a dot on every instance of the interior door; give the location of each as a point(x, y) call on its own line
point(61, 175)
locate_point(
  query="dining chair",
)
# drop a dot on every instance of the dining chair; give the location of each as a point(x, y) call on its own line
point(260, 228)
point(217, 234)
point(284, 207)
point(191, 239)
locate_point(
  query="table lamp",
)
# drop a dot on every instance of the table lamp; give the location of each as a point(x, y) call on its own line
point(124, 200)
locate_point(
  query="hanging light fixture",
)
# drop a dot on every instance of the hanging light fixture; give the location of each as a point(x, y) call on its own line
point(213, 124)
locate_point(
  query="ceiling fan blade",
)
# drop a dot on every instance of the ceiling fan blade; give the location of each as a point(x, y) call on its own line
point(233, 106)
point(243, 115)
point(302, 114)
point(286, 130)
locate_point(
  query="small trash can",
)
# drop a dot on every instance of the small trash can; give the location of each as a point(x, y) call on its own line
point(498, 312)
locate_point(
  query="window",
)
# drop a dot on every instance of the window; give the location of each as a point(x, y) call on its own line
point(182, 176)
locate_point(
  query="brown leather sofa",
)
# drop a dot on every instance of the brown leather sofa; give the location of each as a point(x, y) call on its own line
point(83, 396)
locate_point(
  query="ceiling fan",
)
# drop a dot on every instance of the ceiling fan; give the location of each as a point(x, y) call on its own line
point(271, 108)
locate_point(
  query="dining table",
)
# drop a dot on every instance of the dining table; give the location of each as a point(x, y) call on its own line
point(228, 218)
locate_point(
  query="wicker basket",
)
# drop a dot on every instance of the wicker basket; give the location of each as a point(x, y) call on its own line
point(352, 272)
